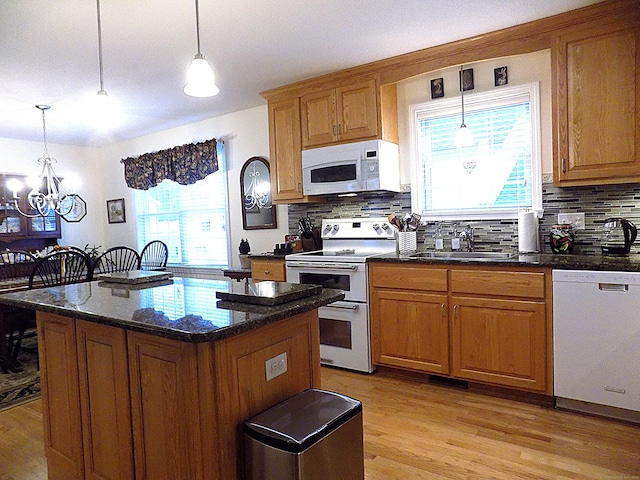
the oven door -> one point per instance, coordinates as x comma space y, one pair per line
350, 278
344, 336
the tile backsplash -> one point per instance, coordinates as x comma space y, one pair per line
597, 203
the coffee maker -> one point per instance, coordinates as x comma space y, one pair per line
619, 235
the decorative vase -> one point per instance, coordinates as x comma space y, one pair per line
245, 261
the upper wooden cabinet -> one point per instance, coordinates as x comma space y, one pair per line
597, 104
14, 226
340, 114
285, 150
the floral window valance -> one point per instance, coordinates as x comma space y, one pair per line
185, 164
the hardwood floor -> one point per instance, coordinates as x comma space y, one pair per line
417, 430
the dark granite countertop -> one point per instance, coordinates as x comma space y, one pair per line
630, 263
184, 309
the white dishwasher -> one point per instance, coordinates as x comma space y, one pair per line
596, 337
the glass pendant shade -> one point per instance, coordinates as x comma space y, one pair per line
200, 78
464, 137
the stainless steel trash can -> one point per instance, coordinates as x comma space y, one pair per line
314, 435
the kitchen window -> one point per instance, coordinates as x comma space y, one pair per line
190, 219
494, 177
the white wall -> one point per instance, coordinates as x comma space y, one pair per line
522, 69
21, 157
245, 133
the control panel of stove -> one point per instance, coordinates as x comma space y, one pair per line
366, 228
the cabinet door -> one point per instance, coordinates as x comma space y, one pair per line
104, 393
164, 407
44, 226
598, 106
410, 330
60, 397
286, 150
357, 113
499, 341
319, 125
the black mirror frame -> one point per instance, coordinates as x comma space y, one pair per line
273, 223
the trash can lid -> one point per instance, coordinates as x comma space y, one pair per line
302, 420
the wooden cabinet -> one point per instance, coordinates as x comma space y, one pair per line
122, 405
268, 269
87, 425
409, 317
341, 114
60, 397
14, 226
164, 407
597, 103
499, 327
286, 150
483, 324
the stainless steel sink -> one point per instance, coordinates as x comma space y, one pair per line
464, 255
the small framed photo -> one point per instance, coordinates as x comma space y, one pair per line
466, 79
437, 88
115, 211
500, 76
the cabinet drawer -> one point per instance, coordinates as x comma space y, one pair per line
273, 270
499, 282
409, 277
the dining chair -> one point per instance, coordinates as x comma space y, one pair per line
154, 256
61, 267
116, 259
16, 323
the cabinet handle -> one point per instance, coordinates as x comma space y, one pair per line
298, 187
339, 129
564, 165
455, 311
335, 130
442, 309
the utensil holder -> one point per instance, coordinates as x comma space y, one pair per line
407, 242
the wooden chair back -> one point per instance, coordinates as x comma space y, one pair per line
61, 267
116, 259
16, 264
154, 256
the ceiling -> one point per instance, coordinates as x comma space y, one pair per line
49, 53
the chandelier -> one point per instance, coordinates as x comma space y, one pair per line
257, 195
48, 193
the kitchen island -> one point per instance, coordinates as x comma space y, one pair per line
153, 381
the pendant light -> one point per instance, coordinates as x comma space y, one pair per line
48, 193
464, 137
200, 78
105, 111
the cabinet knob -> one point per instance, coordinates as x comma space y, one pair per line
266, 272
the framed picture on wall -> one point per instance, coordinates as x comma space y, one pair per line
115, 211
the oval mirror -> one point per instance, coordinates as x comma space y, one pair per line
255, 187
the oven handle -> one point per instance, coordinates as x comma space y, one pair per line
323, 266
343, 307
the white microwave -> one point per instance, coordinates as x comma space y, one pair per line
350, 168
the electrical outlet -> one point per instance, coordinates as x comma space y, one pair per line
276, 366
575, 219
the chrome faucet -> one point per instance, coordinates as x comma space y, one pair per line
466, 235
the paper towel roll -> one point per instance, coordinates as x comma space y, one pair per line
528, 240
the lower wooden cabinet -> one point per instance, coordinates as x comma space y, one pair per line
122, 405
412, 330
483, 324
499, 341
